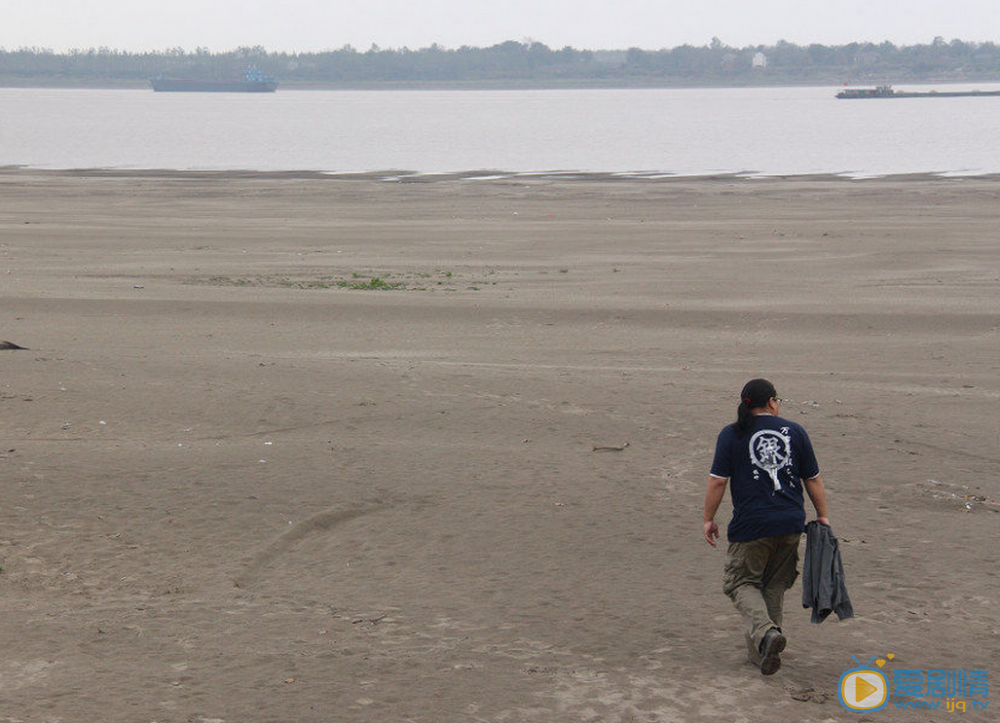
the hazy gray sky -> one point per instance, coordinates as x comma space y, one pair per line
305, 25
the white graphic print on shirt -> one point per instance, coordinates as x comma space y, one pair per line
771, 451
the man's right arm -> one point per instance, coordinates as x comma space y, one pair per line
713, 498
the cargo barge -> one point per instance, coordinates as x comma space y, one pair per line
253, 81
886, 91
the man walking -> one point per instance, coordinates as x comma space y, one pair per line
768, 461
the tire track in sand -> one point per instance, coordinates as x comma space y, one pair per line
321, 522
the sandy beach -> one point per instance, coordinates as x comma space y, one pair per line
285, 447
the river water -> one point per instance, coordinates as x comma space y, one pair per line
757, 131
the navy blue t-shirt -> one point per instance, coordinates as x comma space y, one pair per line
765, 470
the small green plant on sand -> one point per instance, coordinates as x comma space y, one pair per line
374, 284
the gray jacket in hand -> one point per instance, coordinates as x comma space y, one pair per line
823, 587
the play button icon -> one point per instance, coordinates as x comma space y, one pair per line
863, 689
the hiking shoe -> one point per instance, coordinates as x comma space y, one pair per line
770, 649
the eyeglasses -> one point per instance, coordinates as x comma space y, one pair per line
779, 400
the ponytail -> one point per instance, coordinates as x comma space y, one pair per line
744, 419
756, 393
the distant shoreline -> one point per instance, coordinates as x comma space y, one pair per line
576, 84
485, 175
37, 83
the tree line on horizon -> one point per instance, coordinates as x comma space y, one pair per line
520, 63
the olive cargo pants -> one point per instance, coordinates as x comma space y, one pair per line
757, 575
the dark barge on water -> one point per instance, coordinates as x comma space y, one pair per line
886, 91
253, 81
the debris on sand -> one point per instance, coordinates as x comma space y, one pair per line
610, 448
967, 500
